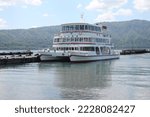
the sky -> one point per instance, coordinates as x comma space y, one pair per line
23, 14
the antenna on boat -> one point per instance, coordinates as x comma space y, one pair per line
82, 17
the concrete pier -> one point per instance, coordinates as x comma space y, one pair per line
14, 58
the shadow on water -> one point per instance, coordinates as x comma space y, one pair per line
13, 65
79, 81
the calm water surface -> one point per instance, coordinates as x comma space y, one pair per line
125, 78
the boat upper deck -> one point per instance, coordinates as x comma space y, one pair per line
82, 33
73, 27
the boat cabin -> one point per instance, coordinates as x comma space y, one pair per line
80, 27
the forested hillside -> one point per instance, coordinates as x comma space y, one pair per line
126, 34
34, 38
130, 34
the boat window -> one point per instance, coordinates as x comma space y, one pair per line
76, 39
72, 39
66, 48
77, 27
93, 40
97, 40
92, 28
69, 48
56, 40
81, 27
86, 39
72, 48
87, 48
104, 27
107, 40
95, 28
64, 39
67, 28
104, 40
99, 29
60, 40
76, 48
71, 27
63, 28
81, 39
90, 48
68, 39
97, 50
86, 27
90, 40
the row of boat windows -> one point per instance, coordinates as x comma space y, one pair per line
100, 40
80, 27
76, 48
102, 49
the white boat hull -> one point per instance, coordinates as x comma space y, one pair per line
80, 58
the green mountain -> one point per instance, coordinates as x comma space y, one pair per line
125, 34
34, 38
130, 34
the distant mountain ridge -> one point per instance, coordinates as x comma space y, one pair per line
125, 34
130, 34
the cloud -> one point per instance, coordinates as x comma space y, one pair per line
95, 4
4, 3
142, 5
110, 16
105, 4
24, 3
45, 14
79, 6
123, 12
3, 23
33, 2
108, 10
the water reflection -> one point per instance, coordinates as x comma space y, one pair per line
80, 81
126, 78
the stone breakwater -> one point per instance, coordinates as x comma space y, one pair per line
134, 51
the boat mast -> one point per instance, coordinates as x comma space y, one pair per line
82, 18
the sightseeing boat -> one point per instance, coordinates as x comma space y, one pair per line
80, 42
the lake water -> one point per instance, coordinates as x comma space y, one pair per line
124, 78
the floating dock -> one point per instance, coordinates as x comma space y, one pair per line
18, 57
